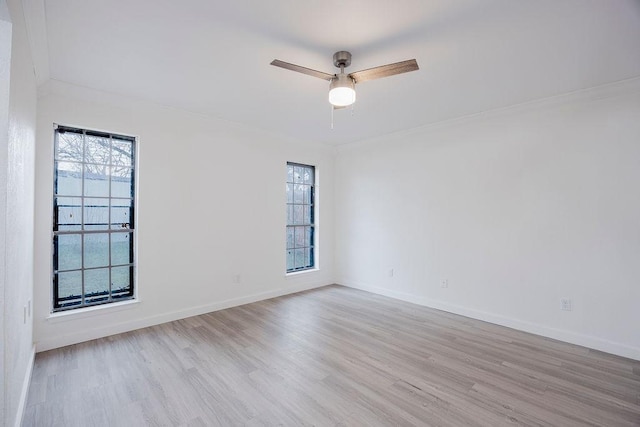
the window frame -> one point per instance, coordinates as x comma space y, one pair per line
128, 204
310, 240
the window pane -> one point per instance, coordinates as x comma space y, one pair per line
289, 193
297, 174
96, 250
121, 249
121, 214
69, 146
68, 180
96, 180
298, 194
308, 236
96, 149
308, 212
96, 284
290, 260
121, 281
298, 214
289, 214
68, 249
308, 176
69, 287
68, 211
308, 257
96, 214
289, 173
299, 237
121, 182
306, 194
299, 258
290, 235
122, 152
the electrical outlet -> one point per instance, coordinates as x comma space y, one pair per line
444, 283
565, 304
24, 314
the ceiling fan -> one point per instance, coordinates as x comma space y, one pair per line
342, 91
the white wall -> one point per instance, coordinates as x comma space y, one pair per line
516, 208
5, 64
17, 141
211, 205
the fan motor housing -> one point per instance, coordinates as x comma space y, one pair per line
342, 59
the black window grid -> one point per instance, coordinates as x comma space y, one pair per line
83, 228
300, 248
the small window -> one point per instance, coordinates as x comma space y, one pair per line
93, 218
300, 217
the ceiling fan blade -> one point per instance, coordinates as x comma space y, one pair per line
384, 71
303, 70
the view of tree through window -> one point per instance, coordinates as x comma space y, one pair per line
300, 217
93, 218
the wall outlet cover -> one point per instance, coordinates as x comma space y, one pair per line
565, 304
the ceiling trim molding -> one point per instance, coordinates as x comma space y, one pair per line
35, 18
605, 91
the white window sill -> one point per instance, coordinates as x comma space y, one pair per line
81, 313
297, 273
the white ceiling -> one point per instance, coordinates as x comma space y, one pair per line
213, 56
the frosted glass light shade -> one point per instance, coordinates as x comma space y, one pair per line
342, 91
342, 96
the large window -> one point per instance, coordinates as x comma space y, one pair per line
300, 217
93, 218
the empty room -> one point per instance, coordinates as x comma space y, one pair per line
337, 213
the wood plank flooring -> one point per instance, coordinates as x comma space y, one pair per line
333, 356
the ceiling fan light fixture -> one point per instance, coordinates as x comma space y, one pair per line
342, 92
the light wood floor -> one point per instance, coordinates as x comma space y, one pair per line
331, 357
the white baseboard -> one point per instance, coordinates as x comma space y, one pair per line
95, 333
24, 394
545, 331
